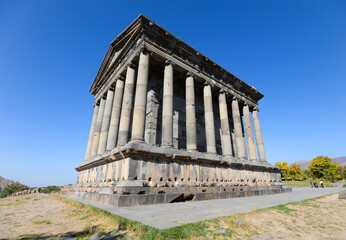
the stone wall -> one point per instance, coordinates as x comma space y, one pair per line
173, 173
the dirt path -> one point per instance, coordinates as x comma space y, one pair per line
37, 214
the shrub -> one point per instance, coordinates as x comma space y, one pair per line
50, 189
12, 188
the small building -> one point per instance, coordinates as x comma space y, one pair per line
170, 125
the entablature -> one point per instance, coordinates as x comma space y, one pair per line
145, 33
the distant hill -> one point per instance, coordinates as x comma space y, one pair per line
5, 182
304, 164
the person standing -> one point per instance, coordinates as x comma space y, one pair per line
321, 183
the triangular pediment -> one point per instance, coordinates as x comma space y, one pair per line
143, 27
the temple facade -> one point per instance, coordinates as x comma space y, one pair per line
169, 125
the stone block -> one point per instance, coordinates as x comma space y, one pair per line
106, 190
264, 236
130, 183
221, 231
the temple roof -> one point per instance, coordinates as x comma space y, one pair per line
161, 37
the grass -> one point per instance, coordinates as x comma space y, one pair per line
27, 237
43, 222
102, 221
107, 222
8, 203
283, 208
304, 183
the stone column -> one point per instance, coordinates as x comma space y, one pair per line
115, 118
209, 119
191, 125
92, 131
126, 109
167, 106
238, 128
138, 123
225, 133
243, 136
258, 134
106, 121
98, 127
249, 133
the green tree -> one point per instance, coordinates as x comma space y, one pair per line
306, 173
295, 172
12, 188
50, 189
284, 168
323, 168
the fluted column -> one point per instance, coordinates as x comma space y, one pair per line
126, 109
138, 123
191, 125
92, 131
238, 128
209, 119
106, 121
167, 106
225, 133
98, 126
115, 118
258, 134
249, 133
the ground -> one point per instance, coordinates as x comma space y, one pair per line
52, 216
306, 183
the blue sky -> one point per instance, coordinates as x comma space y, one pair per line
294, 52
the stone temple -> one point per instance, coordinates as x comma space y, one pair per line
171, 125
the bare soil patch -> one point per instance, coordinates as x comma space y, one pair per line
36, 214
322, 218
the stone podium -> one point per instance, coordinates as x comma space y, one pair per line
171, 125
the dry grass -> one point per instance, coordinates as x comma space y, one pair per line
319, 218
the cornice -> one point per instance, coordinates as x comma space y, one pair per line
156, 36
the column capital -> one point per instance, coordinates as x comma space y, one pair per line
256, 109
169, 62
104, 97
234, 98
96, 104
131, 65
111, 88
121, 78
221, 91
206, 83
190, 74
144, 50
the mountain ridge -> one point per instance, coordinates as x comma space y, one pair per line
4, 182
304, 164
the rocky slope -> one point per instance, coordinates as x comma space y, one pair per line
5, 182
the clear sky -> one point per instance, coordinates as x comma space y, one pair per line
294, 52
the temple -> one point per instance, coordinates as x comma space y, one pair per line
171, 125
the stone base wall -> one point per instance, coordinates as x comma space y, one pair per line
172, 173
138, 173
134, 196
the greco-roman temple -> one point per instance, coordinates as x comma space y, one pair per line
171, 125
